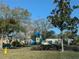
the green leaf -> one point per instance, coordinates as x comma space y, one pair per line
75, 7
55, 1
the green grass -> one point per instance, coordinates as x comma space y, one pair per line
25, 53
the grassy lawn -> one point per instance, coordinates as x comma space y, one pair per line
25, 53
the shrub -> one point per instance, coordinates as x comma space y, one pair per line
76, 48
16, 44
46, 47
6, 45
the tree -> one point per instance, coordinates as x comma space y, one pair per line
29, 27
42, 25
11, 19
50, 34
60, 17
16, 13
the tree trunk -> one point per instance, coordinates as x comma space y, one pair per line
1, 44
68, 42
62, 44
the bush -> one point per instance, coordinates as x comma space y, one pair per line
6, 45
75, 42
37, 47
16, 44
46, 47
72, 48
69, 48
76, 48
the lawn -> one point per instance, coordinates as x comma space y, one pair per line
25, 53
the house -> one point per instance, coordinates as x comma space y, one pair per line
53, 41
58, 41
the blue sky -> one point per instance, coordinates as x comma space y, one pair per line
38, 8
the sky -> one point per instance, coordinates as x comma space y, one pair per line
38, 8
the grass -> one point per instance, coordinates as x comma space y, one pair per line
25, 53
